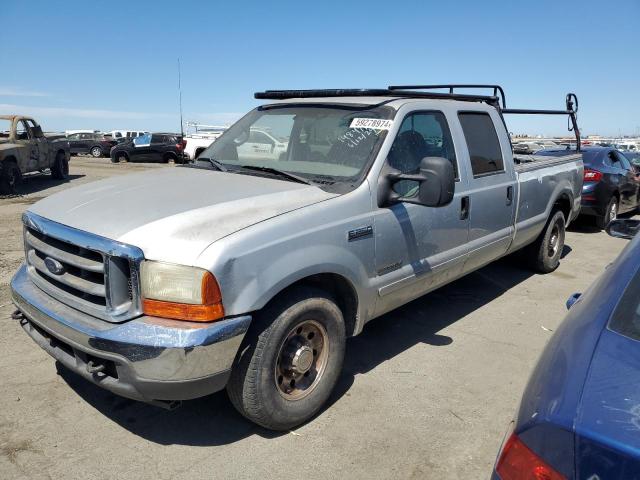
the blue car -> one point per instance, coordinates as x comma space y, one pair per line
579, 417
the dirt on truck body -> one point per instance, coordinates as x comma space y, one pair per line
24, 148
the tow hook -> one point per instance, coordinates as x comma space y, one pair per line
18, 315
94, 368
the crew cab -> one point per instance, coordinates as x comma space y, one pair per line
250, 271
24, 148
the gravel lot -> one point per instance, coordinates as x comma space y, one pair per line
427, 392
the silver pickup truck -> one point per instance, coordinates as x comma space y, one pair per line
249, 271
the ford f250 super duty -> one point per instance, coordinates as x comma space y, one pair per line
248, 271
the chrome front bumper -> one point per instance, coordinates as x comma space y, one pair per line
147, 358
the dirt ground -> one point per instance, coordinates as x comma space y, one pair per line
427, 391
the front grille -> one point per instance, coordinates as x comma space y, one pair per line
91, 273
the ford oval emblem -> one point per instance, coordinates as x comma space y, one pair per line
54, 266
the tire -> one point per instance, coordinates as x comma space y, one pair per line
168, 157
10, 177
60, 168
119, 157
299, 338
96, 152
611, 213
544, 254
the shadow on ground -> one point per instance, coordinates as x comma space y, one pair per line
212, 420
37, 182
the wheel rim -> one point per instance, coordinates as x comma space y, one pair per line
613, 211
554, 242
96, 152
302, 360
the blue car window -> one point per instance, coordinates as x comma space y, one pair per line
626, 317
142, 141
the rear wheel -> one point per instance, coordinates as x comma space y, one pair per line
96, 152
544, 254
10, 177
167, 157
610, 214
290, 360
60, 168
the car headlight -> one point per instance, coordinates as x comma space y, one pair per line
180, 292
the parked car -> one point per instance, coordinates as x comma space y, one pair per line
580, 412
611, 184
25, 148
199, 141
97, 145
116, 134
248, 270
156, 147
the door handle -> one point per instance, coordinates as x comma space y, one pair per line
465, 204
509, 195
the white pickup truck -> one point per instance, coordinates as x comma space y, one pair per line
249, 268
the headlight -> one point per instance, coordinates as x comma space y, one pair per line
180, 292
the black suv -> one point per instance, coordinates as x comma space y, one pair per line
94, 143
151, 147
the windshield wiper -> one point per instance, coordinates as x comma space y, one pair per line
280, 173
214, 163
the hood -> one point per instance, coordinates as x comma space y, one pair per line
173, 214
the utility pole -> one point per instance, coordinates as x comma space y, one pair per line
180, 98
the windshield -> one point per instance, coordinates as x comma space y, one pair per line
5, 127
318, 143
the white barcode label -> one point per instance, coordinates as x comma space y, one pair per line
375, 123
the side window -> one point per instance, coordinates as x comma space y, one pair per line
482, 142
615, 160
158, 138
85, 136
75, 136
623, 160
21, 131
421, 134
259, 137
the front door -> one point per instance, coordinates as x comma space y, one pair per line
30, 146
44, 153
141, 148
492, 189
419, 248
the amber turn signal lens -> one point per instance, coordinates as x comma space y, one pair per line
209, 310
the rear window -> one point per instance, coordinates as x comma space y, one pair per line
482, 141
626, 317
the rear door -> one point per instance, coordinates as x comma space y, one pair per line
158, 147
141, 149
628, 183
492, 186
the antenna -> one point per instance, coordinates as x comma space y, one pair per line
180, 98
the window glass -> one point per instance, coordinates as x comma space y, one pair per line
257, 136
21, 131
315, 142
482, 142
142, 141
158, 138
623, 160
75, 136
423, 134
626, 317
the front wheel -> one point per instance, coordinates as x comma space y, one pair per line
96, 152
544, 254
290, 360
60, 168
10, 177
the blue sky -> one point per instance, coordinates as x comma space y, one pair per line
108, 65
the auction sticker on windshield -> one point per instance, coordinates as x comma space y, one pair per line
375, 123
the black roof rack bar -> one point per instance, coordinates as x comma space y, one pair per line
369, 92
451, 86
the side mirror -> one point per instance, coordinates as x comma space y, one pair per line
436, 181
623, 228
573, 299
